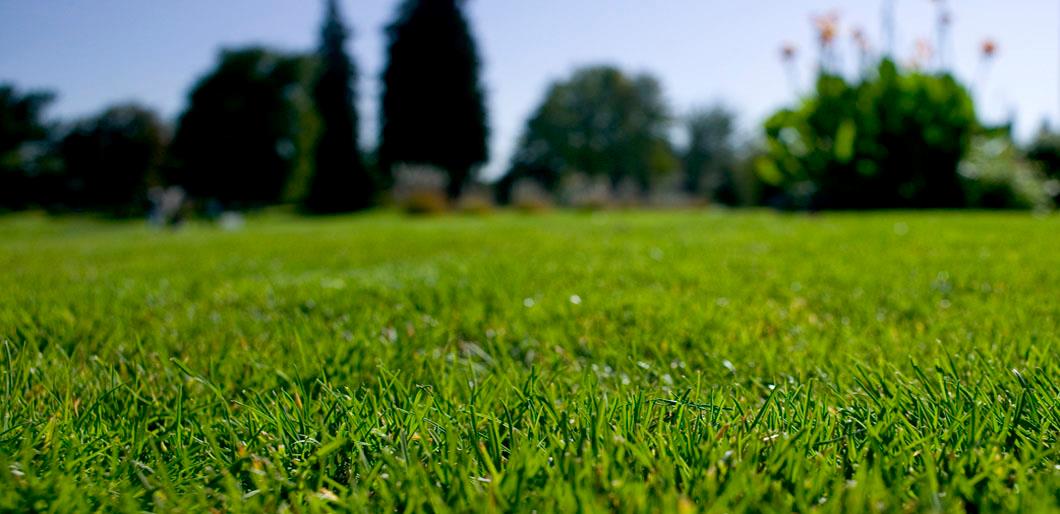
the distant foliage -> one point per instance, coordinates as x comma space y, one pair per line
527, 195
26, 173
476, 200
1045, 152
433, 107
584, 192
420, 189
997, 176
709, 159
111, 159
340, 180
892, 138
239, 141
601, 123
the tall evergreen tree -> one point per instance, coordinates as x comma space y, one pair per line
432, 109
341, 181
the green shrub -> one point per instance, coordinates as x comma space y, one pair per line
892, 138
996, 176
1045, 150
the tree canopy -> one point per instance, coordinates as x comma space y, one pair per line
111, 158
340, 180
599, 122
709, 156
238, 141
24, 141
433, 109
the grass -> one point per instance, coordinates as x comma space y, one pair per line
640, 362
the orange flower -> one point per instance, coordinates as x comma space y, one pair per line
860, 39
989, 48
924, 50
827, 26
788, 51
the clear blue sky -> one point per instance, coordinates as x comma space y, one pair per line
94, 52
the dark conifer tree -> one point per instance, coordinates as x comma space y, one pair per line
341, 182
432, 108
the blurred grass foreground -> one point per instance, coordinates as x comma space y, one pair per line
616, 361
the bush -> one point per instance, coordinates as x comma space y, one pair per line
585, 192
893, 138
476, 199
528, 196
475, 205
996, 176
420, 189
1045, 150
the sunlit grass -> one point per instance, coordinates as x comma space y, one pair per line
684, 362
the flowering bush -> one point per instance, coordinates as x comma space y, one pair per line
892, 138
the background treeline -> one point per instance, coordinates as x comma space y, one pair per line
265, 127
262, 128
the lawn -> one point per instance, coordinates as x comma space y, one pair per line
630, 361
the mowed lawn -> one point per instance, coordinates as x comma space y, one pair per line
563, 362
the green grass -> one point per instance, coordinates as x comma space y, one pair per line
642, 362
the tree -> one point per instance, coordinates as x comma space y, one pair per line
238, 142
24, 149
340, 181
997, 175
433, 110
890, 139
111, 158
709, 158
599, 122
1045, 150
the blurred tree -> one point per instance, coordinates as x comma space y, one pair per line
340, 181
890, 139
24, 149
238, 141
112, 158
1045, 150
599, 122
710, 157
433, 110
748, 189
996, 175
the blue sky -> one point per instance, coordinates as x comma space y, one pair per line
95, 52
